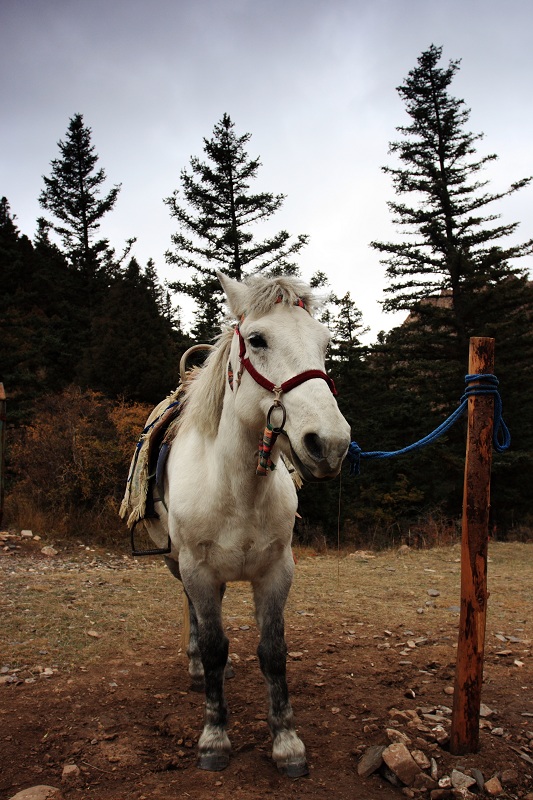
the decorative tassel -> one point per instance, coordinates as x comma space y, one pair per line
267, 442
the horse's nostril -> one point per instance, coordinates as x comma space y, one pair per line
313, 446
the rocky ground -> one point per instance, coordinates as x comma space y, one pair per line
95, 699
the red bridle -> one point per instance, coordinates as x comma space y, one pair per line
287, 385
271, 432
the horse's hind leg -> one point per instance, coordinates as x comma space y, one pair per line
214, 745
288, 751
196, 669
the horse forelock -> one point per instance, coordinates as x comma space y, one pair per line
265, 293
205, 392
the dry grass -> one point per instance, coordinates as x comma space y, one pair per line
70, 612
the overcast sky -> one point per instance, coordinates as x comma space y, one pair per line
313, 81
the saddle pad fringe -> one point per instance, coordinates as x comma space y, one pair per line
161, 426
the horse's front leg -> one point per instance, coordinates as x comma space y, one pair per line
214, 745
288, 751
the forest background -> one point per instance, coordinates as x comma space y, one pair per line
90, 339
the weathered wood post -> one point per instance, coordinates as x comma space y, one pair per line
475, 526
3, 422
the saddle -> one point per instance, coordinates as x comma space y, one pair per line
147, 467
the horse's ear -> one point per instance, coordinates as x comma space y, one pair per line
235, 293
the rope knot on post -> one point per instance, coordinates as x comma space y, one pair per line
476, 384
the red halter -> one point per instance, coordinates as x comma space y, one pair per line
271, 433
286, 386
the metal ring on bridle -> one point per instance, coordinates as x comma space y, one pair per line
280, 405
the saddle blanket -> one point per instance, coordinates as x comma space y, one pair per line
147, 464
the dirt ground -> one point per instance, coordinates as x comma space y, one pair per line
93, 673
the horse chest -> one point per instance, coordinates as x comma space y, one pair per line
239, 553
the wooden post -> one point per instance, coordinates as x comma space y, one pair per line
3, 423
475, 527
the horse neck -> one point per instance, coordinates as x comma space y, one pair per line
236, 448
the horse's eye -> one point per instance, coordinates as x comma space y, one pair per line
256, 340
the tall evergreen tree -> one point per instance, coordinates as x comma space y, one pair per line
72, 194
135, 348
456, 279
35, 304
215, 224
453, 246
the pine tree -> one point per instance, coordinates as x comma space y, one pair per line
72, 196
135, 349
455, 278
34, 316
454, 249
215, 224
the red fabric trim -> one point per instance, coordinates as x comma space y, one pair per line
287, 385
306, 376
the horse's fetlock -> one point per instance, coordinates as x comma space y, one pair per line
214, 739
288, 747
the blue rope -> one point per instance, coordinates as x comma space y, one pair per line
501, 438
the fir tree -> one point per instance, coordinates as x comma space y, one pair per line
72, 196
135, 349
33, 316
453, 249
455, 278
215, 224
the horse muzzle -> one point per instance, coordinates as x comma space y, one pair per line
320, 458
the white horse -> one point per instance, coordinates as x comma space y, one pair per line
225, 521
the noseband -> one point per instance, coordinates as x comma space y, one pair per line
271, 432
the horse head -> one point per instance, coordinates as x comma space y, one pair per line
277, 360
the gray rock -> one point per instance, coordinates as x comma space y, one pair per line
478, 776
460, 780
371, 760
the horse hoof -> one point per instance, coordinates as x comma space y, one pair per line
213, 762
294, 769
197, 683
